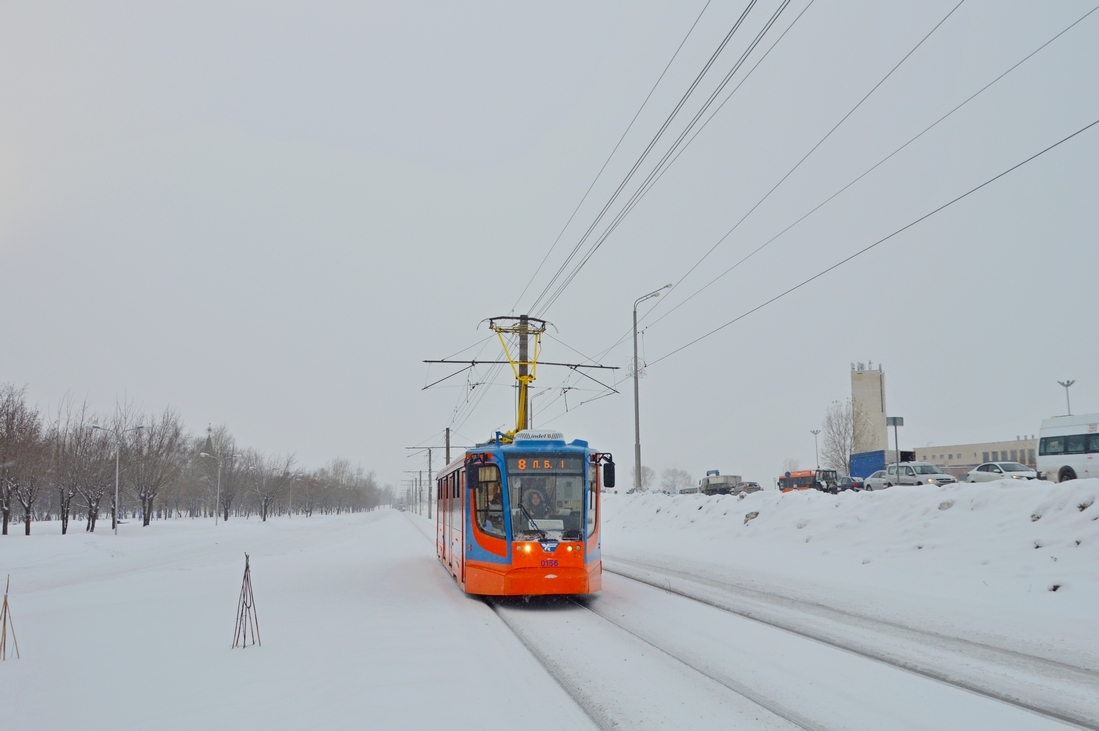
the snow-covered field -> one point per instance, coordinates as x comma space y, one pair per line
362, 629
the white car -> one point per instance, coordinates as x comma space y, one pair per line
916, 473
1001, 471
875, 481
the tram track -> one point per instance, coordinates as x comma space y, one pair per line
572, 661
605, 716
1023, 681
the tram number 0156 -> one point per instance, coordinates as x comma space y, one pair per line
547, 562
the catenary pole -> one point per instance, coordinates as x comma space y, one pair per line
636, 396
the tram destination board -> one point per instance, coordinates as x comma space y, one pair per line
545, 464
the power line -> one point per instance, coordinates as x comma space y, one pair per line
852, 182
862, 251
822, 140
655, 171
651, 181
652, 143
607, 161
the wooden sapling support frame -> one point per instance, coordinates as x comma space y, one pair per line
5, 623
247, 631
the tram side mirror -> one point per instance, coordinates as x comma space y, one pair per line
608, 474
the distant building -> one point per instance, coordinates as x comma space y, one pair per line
868, 408
958, 459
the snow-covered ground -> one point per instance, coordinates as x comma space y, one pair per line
976, 561
362, 628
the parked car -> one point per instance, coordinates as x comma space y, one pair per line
848, 483
916, 473
746, 487
1001, 471
876, 481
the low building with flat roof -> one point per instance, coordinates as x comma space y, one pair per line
957, 459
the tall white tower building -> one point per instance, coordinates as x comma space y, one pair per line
868, 407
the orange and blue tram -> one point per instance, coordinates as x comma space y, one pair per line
522, 518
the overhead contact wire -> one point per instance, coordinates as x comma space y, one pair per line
880, 241
607, 161
645, 153
635, 197
865, 173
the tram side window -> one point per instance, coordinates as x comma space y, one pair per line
488, 498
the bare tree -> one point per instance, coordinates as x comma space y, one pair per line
673, 480
72, 444
22, 463
156, 456
840, 432
791, 464
221, 447
98, 479
648, 477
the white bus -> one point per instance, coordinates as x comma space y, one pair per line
1068, 447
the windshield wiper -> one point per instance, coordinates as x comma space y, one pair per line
522, 507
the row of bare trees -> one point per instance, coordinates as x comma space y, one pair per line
63, 465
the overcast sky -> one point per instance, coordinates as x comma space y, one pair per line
267, 215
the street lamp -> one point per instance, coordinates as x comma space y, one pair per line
816, 455
217, 500
1066, 384
117, 449
636, 398
290, 506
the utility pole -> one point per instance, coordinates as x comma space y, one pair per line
524, 408
430, 482
636, 397
448, 445
524, 365
816, 454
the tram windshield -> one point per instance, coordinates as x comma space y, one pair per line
546, 496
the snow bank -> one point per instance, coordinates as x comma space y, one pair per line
1016, 563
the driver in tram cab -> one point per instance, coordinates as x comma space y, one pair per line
537, 504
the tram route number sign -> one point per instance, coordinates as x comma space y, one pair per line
546, 463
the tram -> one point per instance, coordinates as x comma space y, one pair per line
521, 518
519, 515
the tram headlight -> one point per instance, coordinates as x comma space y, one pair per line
526, 547
568, 548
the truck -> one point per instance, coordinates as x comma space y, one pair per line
715, 483
864, 464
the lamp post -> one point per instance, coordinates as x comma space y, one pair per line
816, 454
290, 507
1068, 405
636, 398
117, 449
217, 500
